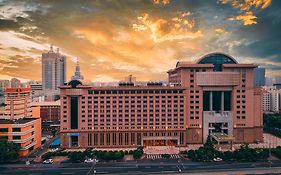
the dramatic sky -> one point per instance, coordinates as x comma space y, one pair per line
112, 39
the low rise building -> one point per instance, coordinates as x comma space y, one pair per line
19, 124
271, 99
48, 110
25, 132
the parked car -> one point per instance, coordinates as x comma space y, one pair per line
56, 149
48, 161
91, 161
217, 159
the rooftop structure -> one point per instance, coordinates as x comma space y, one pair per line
77, 74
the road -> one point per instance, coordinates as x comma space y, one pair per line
143, 167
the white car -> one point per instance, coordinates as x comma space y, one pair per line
55, 149
217, 159
91, 161
48, 161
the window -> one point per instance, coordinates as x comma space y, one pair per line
3, 129
89, 139
101, 139
120, 139
16, 137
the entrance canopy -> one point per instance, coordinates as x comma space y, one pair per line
222, 137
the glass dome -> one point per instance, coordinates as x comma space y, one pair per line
217, 59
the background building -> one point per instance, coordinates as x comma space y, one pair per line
277, 80
17, 101
48, 110
77, 75
15, 83
213, 96
271, 99
37, 92
18, 124
278, 86
4, 84
259, 76
53, 71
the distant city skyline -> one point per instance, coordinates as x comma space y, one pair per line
113, 39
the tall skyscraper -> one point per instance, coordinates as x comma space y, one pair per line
259, 76
53, 70
77, 74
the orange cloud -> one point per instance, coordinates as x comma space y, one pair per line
164, 2
248, 18
246, 8
220, 30
176, 28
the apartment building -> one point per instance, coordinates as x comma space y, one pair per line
19, 123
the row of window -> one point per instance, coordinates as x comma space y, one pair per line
13, 130
135, 91
132, 97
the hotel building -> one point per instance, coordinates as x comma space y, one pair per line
213, 96
19, 125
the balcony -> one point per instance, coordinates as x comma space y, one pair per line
23, 140
29, 146
21, 133
23, 125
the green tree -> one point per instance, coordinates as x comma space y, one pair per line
137, 154
9, 151
209, 144
77, 156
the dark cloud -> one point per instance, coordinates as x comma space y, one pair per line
101, 35
263, 40
6, 24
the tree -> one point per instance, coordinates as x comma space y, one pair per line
77, 156
209, 144
137, 153
9, 151
166, 156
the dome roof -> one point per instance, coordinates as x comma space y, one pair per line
74, 83
217, 59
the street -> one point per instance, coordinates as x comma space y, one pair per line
143, 167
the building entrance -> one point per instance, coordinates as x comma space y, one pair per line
160, 142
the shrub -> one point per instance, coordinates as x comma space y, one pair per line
166, 156
77, 156
8, 151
